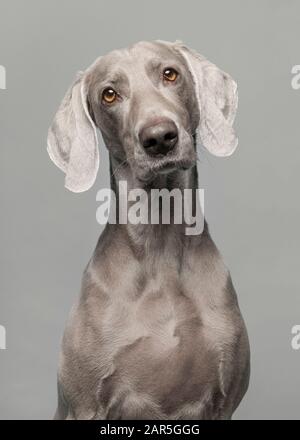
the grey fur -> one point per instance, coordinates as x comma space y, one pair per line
157, 332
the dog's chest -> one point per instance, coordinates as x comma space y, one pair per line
163, 349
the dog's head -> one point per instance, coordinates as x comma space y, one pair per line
148, 101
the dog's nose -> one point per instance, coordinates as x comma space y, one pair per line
159, 138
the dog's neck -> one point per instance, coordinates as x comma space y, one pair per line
147, 236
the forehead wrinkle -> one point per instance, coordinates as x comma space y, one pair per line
103, 77
134, 69
116, 77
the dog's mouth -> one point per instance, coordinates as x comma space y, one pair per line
164, 166
172, 165
182, 157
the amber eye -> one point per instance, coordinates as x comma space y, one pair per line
170, 74
109, 95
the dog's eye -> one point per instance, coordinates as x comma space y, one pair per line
109, 95
170, 74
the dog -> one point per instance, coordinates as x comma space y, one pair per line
156, 332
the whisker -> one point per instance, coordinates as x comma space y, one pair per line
121, 164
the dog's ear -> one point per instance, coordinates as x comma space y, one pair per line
217, 98
72, 139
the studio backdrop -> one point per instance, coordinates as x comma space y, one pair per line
252, 207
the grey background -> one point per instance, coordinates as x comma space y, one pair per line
252, 199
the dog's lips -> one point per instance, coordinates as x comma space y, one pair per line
181, 160
165, 167
172, 165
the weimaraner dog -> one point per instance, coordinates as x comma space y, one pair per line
157, 332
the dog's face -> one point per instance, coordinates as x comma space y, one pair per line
144, 103
148, 102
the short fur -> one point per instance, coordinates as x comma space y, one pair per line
157, 331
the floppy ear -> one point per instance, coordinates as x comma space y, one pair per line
72, 139
217, 98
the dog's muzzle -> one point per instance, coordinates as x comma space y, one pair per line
159, 139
